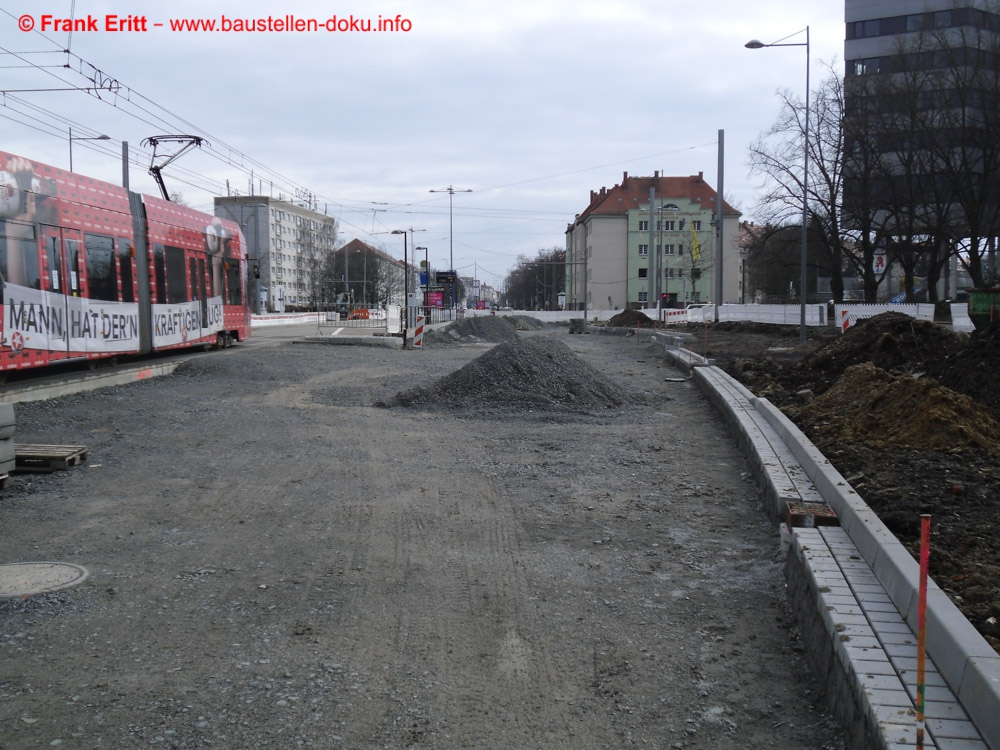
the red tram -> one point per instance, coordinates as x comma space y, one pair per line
90, 270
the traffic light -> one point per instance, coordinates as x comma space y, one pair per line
664, 300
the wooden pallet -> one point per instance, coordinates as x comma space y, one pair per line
45, 458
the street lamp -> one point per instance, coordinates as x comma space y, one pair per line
406, 284
451, 233
756, 44
72, 138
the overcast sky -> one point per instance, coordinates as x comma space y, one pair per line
529, 104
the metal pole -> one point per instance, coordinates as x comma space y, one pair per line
406, 290
719, 200
125, 165
71, 149
805, 207
649, 250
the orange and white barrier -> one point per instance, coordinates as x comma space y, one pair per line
418, 332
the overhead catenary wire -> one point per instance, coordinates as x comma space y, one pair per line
79, 74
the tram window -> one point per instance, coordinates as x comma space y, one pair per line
195, 286
73, 260
125, 263
176, 276
233, 278
102, 276
55, 263
19, 254
160, 271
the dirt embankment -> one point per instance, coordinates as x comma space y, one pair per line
909, 412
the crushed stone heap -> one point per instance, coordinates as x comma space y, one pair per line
480, 329
536, 373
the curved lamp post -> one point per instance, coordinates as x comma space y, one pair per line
757, 44
72, 138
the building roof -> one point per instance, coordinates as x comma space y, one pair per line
634, 192
357, 246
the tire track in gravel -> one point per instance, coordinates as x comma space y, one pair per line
458, 642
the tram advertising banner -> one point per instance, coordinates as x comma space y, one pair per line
50, 321
183, 322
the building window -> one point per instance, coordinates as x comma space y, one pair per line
668, 226
643, 250
869, 66
642, 273
669, 249
643, 226
643, 296
696, 225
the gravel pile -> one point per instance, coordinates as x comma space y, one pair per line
528, 323
476, 330
536, 373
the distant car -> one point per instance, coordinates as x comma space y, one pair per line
694, 305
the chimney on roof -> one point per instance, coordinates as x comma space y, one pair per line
701, 177
656, 174
624, 178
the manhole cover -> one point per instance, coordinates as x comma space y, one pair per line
26, 579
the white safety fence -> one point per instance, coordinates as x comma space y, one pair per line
847, 315
960, 320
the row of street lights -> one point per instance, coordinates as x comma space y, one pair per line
450, 190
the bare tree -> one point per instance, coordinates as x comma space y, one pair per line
924, 146
778, 156
536, 284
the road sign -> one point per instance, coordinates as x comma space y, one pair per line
446, 277
879, 263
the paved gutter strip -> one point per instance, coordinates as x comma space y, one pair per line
55, 387
851, 583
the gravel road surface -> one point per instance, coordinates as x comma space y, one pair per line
276, 562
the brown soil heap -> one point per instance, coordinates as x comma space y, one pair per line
631, 319
880, 409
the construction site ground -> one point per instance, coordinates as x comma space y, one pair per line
529, 541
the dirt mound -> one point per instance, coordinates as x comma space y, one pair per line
974, 369
631, 319
537, 373
891, 341
880, 409
486, 329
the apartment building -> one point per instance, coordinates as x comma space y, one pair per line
624, 251
287, 243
